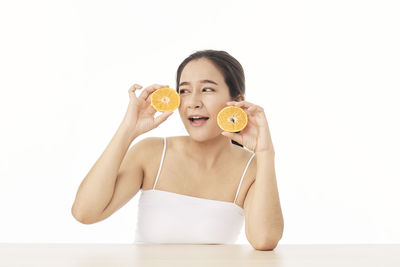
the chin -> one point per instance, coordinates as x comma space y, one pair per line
201, 137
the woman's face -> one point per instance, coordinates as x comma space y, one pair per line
203, 94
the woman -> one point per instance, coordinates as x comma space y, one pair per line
197, 188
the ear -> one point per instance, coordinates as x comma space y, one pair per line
239, 98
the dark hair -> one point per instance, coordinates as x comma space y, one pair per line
231, 69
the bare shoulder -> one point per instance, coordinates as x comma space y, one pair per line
245, 154
147, 143
148, 147
151, 150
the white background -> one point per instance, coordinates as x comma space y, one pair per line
326, 73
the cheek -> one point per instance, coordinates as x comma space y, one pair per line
211, 103
217, 108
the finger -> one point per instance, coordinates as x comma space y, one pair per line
152, 91
161, 118
251, 109
255, 108
234, 136
151, 110
156, 85
242, 104
133, 88
149, 90
248, 107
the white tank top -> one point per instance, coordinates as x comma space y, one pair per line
167, 217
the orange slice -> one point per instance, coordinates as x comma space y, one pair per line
165, 99
232, 119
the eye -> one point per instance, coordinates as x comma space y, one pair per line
182, 91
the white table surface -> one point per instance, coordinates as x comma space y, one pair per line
120, 255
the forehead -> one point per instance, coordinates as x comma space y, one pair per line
201, 69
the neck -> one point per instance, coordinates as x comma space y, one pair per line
208, 153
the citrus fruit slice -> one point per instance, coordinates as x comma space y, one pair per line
165, 99
232, 119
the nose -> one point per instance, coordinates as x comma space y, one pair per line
194, 101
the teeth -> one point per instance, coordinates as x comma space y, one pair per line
195, 118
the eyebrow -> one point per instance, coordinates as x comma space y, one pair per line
202, 81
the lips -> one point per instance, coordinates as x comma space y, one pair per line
198, 122
194, 119
197, 117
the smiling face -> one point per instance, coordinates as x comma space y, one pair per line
204, 93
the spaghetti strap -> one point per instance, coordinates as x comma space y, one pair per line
241, 180
161, 162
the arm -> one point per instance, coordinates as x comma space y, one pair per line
263, 214
117, 175
97, 189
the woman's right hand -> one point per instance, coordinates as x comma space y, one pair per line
139, 117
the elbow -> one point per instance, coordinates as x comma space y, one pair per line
80, 217
269, 240
265, 246
266, 243
77, 216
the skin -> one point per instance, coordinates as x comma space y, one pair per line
205, 99
212, 161
204, 164
263, 215
208, 164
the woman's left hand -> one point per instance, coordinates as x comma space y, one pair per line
256, 135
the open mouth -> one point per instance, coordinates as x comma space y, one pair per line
192, 119
198, 121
